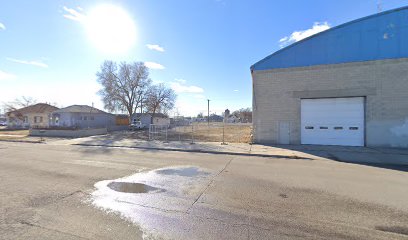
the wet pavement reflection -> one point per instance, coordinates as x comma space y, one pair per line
132, 187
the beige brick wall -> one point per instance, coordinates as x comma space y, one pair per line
277, 94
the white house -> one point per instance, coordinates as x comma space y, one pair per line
82, 116
146, 118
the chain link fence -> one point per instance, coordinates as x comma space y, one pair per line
203, 132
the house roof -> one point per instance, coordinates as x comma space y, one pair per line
376, 37
36, 108
79, 109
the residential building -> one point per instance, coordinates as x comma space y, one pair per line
146, 118
232, 119
34, 116
82, 116
345, 86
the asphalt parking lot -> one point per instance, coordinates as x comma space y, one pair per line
65, 192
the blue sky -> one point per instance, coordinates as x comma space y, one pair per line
202, 49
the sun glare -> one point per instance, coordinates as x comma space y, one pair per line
110, 29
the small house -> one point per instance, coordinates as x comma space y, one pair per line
82, 116
34, 116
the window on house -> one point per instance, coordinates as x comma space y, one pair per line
85, 118
309, 127
41, 119
25, 119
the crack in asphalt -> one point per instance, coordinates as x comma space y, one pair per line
50, 229
209, 184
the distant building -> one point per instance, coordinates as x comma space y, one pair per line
216, 118
232, 119
82, 116
37, 115
3, 118
180, 121
227, 113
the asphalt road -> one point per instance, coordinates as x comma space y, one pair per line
49, 192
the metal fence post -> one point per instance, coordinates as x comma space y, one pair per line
167, 128
223, 134
192, 133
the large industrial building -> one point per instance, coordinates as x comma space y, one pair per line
345, 86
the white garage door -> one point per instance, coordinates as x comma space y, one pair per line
333, 121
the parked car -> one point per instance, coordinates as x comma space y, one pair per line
2, 124
136, 125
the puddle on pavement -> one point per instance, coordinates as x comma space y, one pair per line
146, 198
127, 187
393, 229
184, 172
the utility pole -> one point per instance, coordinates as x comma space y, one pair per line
208, 113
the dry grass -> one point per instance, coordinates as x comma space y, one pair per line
13, 134
236, 133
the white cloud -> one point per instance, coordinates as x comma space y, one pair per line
73, 14
199, 96
153, 65
181, 87
236, 90
155, 47
33, 63
2, 27
6, 76
180, 80
299, 35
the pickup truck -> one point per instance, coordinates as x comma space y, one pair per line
136, 125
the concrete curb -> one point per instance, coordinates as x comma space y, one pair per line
196, 151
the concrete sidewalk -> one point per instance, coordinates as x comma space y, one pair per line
360, 155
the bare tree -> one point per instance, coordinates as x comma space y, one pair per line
123, 86
19, 103
160, 99
244, 114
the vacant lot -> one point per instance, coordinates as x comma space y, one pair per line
198, 132
215, 132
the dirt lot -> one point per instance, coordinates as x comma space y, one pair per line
215, 132
200, 132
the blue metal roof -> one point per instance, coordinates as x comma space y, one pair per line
379, 36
